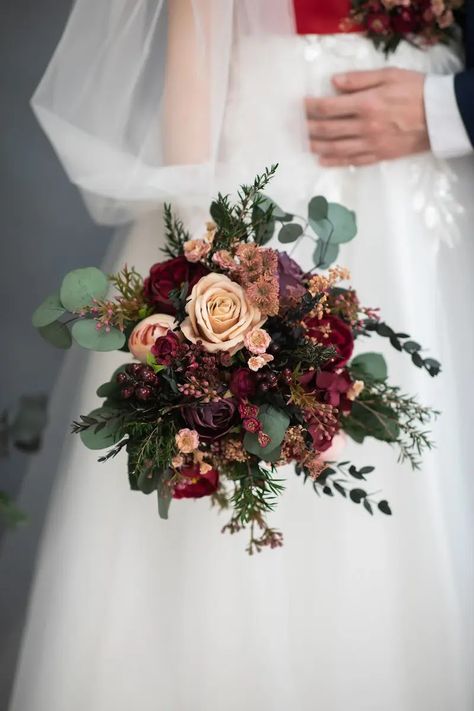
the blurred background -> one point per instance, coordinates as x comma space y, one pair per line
46, 231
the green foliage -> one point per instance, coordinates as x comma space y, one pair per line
336, 479
81, 286
49, 311
87, 335
10, 515
175, 233
290, 233
372, 365
325, 254
101, 428
56, 334
402, 342
275, 422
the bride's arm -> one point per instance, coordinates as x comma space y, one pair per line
187, 94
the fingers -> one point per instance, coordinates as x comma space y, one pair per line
358, 81
356, 161
332, 106
332, 129
345, 148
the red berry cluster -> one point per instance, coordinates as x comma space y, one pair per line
138, 381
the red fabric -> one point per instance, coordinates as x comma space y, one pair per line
321, 17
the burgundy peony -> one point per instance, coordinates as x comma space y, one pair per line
165, 348
332, 331
167, 276
243, 383
195, 484
211, 420
290, 275
335, 387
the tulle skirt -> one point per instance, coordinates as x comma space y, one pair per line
360, 612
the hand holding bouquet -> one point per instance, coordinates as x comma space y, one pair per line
242, 363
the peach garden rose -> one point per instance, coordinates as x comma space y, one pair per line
146, 332
219, 314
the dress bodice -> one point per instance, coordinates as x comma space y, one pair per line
321, 17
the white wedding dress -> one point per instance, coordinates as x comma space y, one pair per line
369, 614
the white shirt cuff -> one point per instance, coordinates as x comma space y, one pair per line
448, 136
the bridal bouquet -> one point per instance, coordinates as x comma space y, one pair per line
388, 22
242, 362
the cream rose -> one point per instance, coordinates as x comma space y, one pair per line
146, 332
219, 314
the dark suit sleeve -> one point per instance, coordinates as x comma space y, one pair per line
464, 90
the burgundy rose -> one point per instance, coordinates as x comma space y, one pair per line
243, 383
290, 275
211, 420
378, 22
332, 331
165, 348
195, 484
167, 276
404, 21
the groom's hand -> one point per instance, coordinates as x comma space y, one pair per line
378, 115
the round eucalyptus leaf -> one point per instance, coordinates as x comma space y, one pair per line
87, 335
112, 388
325, 254
322, 228
371, 363
49, 311
105, 433
277, 212
343, 221
81, 286
318, 208
290, 233
57, 334
274, 423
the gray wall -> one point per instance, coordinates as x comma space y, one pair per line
45, 231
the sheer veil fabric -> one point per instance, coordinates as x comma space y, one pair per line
145, 102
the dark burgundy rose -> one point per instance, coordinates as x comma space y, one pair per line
290, 274
378, 22
167, 276
243, 383
332, 331
165, 348
211, 420
195, 484
404, 21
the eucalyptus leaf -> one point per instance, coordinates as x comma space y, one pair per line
49, 311
87, 335
343, 221
274, 423
57, 334
164, 498
372, 364
290, 233
325, 254
277, 212
106, 433
81, 286
322, 228
111, 389
318, 208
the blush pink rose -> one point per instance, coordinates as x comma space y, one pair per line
146, 332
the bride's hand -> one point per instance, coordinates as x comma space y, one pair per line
378, 115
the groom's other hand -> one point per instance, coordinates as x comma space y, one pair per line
378, 115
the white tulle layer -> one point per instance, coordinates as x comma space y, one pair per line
360, 613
